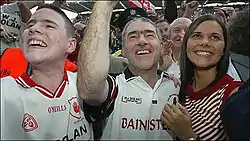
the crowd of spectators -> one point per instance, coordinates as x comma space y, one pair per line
200, 56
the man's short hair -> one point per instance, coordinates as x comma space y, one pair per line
173, 23
69, 26
139, 19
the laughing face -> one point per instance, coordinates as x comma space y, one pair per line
177, 32
46, 38
142, 45
205, 45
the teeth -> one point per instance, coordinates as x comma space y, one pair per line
36, 42
203, 53
143, 52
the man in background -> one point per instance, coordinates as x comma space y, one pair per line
236, 111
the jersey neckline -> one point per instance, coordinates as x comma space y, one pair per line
26, 82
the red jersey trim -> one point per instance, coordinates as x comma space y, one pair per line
112, 92
26, 82
226, 79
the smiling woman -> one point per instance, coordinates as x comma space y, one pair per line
205, 84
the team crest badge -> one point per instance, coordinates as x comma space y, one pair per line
29, 123
173, 98
132, 12
75, 109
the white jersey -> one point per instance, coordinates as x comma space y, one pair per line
30, 111
138, 107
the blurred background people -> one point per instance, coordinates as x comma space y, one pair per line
236, 111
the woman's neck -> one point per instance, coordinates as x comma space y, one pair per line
202, 78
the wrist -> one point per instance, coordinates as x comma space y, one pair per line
1, 32
196, 138
190, 135
187, 14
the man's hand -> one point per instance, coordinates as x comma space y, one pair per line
166, 52
177, 119
220, 14
197, 13
60, 3
8, 37
191, 7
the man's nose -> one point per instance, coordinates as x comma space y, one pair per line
35, 29
142, 40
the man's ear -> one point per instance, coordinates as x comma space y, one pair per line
72, 45
123, 53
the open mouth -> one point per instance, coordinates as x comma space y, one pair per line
142, 52
37, 43
204, 53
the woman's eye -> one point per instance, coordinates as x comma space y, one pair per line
196, 36
215, 38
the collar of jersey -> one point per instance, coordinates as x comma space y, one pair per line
226, 79
27, 82
128, 74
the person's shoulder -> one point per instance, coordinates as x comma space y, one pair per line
7, 79
8, 82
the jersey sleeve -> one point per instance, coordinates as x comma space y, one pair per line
93, 113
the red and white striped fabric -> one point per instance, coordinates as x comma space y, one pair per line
204, 108
142, 4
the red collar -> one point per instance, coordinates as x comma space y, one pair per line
26, 82
226, 79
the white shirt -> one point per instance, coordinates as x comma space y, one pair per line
30, 111
174, 69
137, 108
232, 71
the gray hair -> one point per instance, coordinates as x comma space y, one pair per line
139, 19
173, 23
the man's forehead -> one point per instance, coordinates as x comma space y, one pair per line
140, 26
181, 23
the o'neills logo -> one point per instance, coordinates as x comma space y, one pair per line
141, 124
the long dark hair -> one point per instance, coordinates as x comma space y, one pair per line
186, 66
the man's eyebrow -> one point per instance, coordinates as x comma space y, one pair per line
144, 31
148, 31
133, 32
49, 21
44, 21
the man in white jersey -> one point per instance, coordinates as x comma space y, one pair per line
45, 105
136, 96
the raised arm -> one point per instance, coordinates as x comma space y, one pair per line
93, 56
